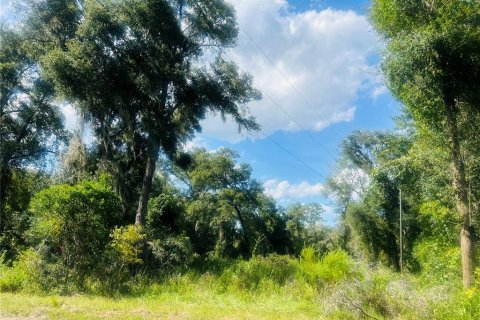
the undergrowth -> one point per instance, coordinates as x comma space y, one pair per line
333, 286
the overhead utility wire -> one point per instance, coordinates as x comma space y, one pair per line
285, 149
289, 116
284, 76
295, 157
299, 125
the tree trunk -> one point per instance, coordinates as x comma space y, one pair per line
244, 228
467, 232
153, 148
147, 183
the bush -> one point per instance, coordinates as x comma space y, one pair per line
71, 225
335, 266
437, 249
121, 258
33, 274
12, 278
251, 274
379, 294
125, 246
171, 251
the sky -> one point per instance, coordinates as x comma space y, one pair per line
316, 63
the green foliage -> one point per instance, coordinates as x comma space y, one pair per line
227, 211
439, 261
22, 186
308, 255
12, 278
303, 223
71, 224
170, 252
31, 273
165, 214
107, 62
431, 64
334, 267
126, 246
252, 274
120, 260
374, 169
30, 124
437, 250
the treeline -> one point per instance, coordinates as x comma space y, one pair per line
143, 74
212, 209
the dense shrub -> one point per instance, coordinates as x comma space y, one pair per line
274, 268
121, 259
71, 225
437, 249
170, 252
125, 245
11, 278
335, 266
22, 185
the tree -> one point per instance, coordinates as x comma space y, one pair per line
378, 165
136, 69
226, 209
303, 225
432, 65
30, 124
224, 200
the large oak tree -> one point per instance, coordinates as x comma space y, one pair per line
145, 73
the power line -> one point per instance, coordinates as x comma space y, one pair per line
289, 116
278, 144
299, 125
307, 102
295, 157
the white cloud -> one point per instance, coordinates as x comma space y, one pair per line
283, 189
330, 215
322, 54
378, 91
195, 143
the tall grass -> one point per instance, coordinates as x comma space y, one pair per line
333, 287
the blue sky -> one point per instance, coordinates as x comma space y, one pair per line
316, 63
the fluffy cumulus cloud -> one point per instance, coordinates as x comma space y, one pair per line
281, 190
312, 64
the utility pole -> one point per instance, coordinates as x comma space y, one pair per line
401, 230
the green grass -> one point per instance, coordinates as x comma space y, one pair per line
163, 306
276, 287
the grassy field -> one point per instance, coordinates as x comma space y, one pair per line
334, 287
23, 306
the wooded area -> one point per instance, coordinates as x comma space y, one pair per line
134, 209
